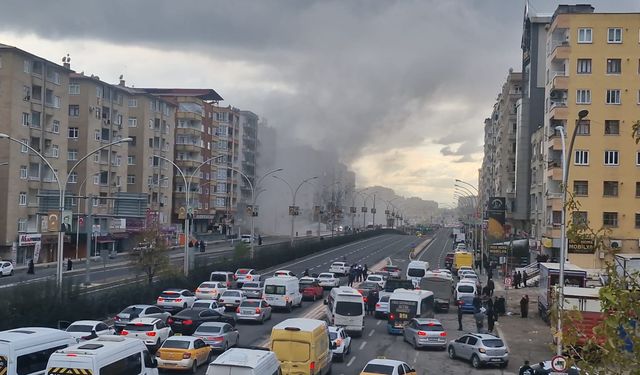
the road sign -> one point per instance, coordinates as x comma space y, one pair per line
81, 221
558, 363
182, 213
507, 281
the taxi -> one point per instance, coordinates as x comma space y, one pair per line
383, 366
183, 353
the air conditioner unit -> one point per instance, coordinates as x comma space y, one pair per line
601, 254
555, 95
615, 244
92, 108
27, 98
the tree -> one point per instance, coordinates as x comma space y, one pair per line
635, 131
152, 255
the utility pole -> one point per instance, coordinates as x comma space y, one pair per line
88, 225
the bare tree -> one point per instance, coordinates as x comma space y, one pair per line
152, 255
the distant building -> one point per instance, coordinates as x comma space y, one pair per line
247, 161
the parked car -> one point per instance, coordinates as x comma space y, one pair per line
89, 329
378, 279
466, 303
152, 331
6, 268
138, 311
245, 274
246, 238
328, 280
423, 332
219, 335
367, 287
382, 307
341, 342
224, 277
394, 271
209, 304
481, 349
340, 268
383, 366
284, 273
210, 290
183, 353
311, 288
188, 320
252, 289
231, 298
174, 300
256, 310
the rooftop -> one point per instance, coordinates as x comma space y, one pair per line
204, 94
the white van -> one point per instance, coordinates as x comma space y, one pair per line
27, 350
345, 308
115, 355
465, 288
282, 292
416, 270
237, 361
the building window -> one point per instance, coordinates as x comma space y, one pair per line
611, 127
73, 178
581, 188
613, 97
22, 198
133, 122
131, 160
133, 103
637, 220
96, 179
638, 158
74, 110
26, 66
55, 151
584, 127
23, 172
614, 35
23, 146
580, 218
611, 157
73, 133
74, 89
584, 66
55, 126
585, 35
582, 157
25, 118
97, 135
614, 66
610, 188
72, 154
610, 219
22, 226
583, 96
131, 179
637, 189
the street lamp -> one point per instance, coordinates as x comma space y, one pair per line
353, 207
61, 192
566, 160
364, 207
293, 212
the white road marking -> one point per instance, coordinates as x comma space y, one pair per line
351, 361
415, 358
362, 345
379, 321
371, 333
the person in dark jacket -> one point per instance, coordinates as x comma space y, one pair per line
203, 246
30, 267
459, 315
490, 315
524, 279
372, 300
491, 286
69, 264
525, 369
352, 277
524, 306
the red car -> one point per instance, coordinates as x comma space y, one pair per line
448, 260
310, 289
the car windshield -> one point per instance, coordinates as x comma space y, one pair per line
275, 289
378, 369
306, 282
250, 304
493, 343
204, 305
176, 344
218, 277
209, 285
170, 295
208, 329
291, 351
375, 278
431, 327
325, 276
79, 328
465, 288
333, 335
139, 327
231, 293
348, 308
132, 310
384, 299
415, 272
242, 271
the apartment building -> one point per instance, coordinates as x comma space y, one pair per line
592, 64
536, 189
248, 144
33, 109
486, 171
225, 198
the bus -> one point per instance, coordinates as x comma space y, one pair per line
405, 305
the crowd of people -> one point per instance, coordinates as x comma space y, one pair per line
357, 273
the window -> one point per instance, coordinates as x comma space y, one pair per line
614, 66
25, 118
133, 122
26, 67
22, 198
637, 220
585, 35
582, 157
74, 89
96, 179
133, 103
73, 133
72, 154
610, 219
131, 160
613, 97
131, 179
584, 127
73, 178
610, 188
611, 158
22, 225
579, 217
74, 110
133, 140
36, 361
611, 127
55, 151
23, 172
584, 66
55, 126
638, 158
614, 35
126, 366
23, 146
581, 188
583, 96
97, 135
637, 189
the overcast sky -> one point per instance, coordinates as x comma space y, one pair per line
398, 89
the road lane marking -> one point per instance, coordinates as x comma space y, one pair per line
351, 361
364, 343
371, 333
379, 321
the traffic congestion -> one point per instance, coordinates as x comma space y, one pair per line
310, 316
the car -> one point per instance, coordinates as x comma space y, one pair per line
224, 277
256, 310
210, 290
470, 276
209, 304
218, 335
376, 279
423, 332
341, 342
481, 349
152, 331
383, 366
466, 304
367, 287
245, 274
284, 273
231, 298
246, 238
328, 280
83, 330
253, 289
311, 288
394, 271
174, 300
463, 269
442, 271
382, 307
188, 320
183, 353
340, 268
138, 311
6, 268
448, 260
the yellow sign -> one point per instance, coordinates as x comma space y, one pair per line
547, 242
182, 213
68, 371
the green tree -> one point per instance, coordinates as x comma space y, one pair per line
152, 254
241, 252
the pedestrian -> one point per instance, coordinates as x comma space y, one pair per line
526, 369
516, 280
372, 301
30, 267
485, 291
69, 264
490, 315
519, 278
352, 275
366, 271
496, 309
490, 273
476, 304
524, 306
479, 316
203, 246
259, 240
524, 279
491, 285
459, 315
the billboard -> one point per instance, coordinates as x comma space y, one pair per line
496, 213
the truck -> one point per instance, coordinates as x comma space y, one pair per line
442, 288
627, 264
587, 302
462, 259
549, 277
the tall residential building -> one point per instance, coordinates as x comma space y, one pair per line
536, 189
592, 64
227, 178
34, 105
486, 171
248, 143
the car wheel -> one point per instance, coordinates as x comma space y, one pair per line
475, 362
452, 353
225, 347
184, 306
194, 367
289, 307
11, 273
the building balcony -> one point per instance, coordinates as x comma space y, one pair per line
560, 50
558, 109
189, 147
555, 142
552, 230
554, 201
197, 131
189, 115
554, 170
189, 163
559, 80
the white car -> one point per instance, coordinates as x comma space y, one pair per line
210, 290
231, 299
378, 279
339, 337
246, 238
175, 299
464, 269
328, 280
387, 366
470, 276
382, 307
340, 268
280, 273
243, 275
152, 331
89, 329
6, 268
209, 304
442, 271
